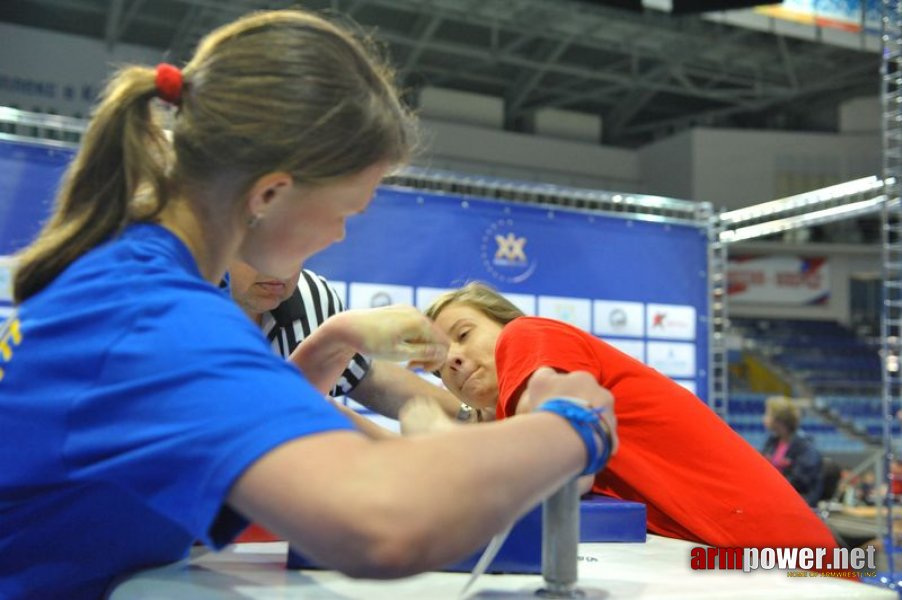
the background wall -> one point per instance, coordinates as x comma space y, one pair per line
499, 153
667, 166
58, 73
733, 168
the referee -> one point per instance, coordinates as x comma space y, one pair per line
288, 310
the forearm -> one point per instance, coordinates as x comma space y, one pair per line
323, 355
488, 468
366, 426
388, 386
383, 509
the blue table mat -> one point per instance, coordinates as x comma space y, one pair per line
601, 519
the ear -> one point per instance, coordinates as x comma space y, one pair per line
265, 190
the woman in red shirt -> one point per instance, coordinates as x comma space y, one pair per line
699, 480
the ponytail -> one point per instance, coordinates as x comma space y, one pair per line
121, 150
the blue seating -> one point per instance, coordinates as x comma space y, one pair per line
843, 370
826, 355
746, 411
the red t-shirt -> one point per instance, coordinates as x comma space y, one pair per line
698, 478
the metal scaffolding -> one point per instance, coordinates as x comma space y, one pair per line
631, 206
891, 318
718, 363
847, 200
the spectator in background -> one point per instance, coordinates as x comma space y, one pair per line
863, 489
790, 450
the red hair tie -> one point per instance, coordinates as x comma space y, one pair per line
169, 83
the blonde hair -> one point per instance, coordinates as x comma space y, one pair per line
783, 410
481, 297
273, 91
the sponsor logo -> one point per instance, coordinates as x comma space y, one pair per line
375, 295
380, 299
663, 320
576, 311
671, 321
504, 253
675, 359
618, 319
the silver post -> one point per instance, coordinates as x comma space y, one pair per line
560, 542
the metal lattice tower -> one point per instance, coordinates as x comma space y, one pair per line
891, 322
717, 327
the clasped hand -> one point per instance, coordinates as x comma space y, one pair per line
546, 384
397, 333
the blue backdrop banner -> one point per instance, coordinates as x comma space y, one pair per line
29, 177
641, 285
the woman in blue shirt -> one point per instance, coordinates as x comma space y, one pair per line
141, 410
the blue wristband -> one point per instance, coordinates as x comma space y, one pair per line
587, 423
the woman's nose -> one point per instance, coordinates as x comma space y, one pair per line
455, 360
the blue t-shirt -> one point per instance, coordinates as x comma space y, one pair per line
132, 396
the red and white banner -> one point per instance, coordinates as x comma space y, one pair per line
791, 280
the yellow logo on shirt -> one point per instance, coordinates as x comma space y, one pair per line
10, 337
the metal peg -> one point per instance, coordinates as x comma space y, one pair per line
560, 543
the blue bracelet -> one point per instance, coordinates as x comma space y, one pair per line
587, 423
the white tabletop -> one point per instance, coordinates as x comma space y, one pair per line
657, 569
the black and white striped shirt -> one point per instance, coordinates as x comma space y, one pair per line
312, 303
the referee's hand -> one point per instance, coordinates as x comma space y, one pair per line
397, 333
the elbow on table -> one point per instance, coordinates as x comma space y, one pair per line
392, 545
387, 559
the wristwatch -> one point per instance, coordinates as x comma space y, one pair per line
464, 413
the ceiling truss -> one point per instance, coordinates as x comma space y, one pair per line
646, 75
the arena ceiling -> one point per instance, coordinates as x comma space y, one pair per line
648, 75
